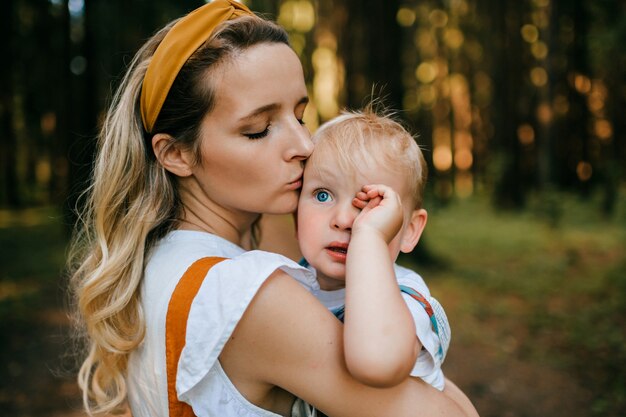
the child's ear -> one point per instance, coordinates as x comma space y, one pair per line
173, 159
413, 230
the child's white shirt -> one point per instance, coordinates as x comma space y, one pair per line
433, 331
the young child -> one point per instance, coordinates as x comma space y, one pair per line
360, 205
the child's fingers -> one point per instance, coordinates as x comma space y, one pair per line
359, 203
374, 190
362, 196
363, 204
360, 200
372, 195
374, 202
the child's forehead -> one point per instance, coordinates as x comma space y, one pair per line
328, 165
331, 160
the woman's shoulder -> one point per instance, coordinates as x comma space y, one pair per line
224, 296
192, 243
262, 264
183, 247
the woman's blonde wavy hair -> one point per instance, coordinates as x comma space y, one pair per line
132, 201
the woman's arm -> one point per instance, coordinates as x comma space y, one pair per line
455, 394
288, 339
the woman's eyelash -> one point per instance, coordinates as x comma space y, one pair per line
258, 135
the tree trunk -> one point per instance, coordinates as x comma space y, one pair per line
372, 52
83, 114
508, 79
59, 152
9, 187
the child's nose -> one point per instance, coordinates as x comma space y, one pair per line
344, 217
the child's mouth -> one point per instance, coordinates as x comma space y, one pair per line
337, 249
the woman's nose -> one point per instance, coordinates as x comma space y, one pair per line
300, 144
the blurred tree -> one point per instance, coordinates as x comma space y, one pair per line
608, 58
513, 105
371, 50
62, 104
574, 140
9, 193
83, 117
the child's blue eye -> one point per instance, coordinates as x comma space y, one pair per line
322, 196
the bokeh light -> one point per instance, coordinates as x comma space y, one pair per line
526, 134
454, 38
438, 18
463, 159
538, 76
427, 96
530, 33
326, 81
426, 72
582, 83
442, 157
544, 113
603, 129
539, 50
405, 17
584, 171
297, 15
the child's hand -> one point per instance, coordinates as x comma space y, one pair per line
381, 211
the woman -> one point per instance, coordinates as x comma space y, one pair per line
204, 135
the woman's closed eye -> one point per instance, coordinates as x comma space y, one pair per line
258, 135
322, 196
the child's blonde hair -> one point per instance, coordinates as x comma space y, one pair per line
358, 136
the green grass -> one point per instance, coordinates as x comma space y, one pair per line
539, 288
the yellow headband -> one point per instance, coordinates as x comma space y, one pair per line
185, 37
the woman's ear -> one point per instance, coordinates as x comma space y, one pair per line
413, 230
173, 159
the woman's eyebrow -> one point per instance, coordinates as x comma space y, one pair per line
269, 107
263, 109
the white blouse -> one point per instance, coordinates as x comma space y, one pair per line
220, 303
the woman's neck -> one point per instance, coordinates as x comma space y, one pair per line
206, 216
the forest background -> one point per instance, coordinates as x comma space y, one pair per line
519, 107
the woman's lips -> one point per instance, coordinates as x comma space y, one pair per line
296, 184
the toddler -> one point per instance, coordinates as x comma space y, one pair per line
360, 205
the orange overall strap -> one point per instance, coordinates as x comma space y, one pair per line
176, 327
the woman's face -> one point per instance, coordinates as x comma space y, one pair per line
254, 142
